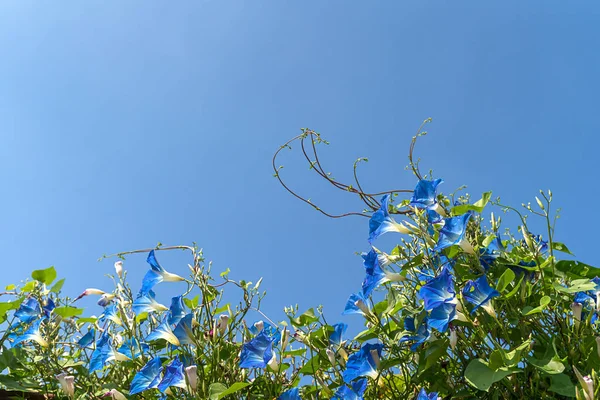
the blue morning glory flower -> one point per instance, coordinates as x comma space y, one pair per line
363, 363
453, 233
433, 217
87, 339
146, 302
174, 376
335, 339
421, 335
539, 244
479, 293
583, 298
48, 307
163, 331
356, 393
270, 330
438, 291
110, 313
381, 222
147, 378
441, 316
257, 352
28, 311
488, 256
32, 333
132, 348
102, 354
156, 274
376, 275
356, 304
292, 394
424, 396
183, 331
424, 195
176, 311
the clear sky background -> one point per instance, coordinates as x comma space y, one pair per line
123, 124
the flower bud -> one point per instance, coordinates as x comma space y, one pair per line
375, 356
273, 364
598, 345
362, 307
192, 376
577, 308
330, 356
285, 338
119, 268
67, 384
115, 395
222, 324
453, 338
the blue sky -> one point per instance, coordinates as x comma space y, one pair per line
128, 123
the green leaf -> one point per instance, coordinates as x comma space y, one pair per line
11, 305
578, 285
577, 268
232, 389
46, 276
68, 311
561, 247
83, 320
550, 366
225, 273
215, 390
478, 206
311, 366
482, 377
307, 318
488, 239
10, 287
58, 286
507, 277
515, 289
192, 303
29, 286
544, 301
562, 385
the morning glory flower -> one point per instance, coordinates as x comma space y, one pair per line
376, 275
479, 293
28, 311
258, 352
110, 313
292, 394
441, 316
163, 331
87, 339
453, 233
105, 299
67, 383
434, 218
424, 196
364, 362
438, 291
270, 330
381, 222
131, 349
147, 378
424, 396
489, 255
356, 304
176, 311
147, 303
32, 333
356, 393
536, 242
173, 376
48, 307
335, 339
102, 354
157, 274
421, 335
183, 331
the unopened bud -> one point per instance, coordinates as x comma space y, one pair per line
375, 356
119, 268
222, 324
577, 308
330, 356
192, 376
453, 338
67, 384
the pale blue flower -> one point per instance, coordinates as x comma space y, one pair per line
355, 393
479, 293
174, 376
163, 331
146, 302
292, 394
381, 222
420, 335
375, 274
32, 333
335, 339
156, 274
453, 233
425, 194
176, 311
102, 354
356, 304
424, 396
147, 378
28, 311
257, 353
363, 363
